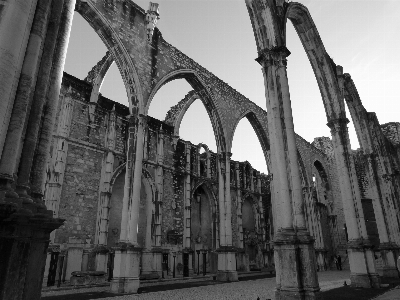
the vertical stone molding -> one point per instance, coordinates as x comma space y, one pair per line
38, 173
226, 252
126, 279
239, 207
15, 24
56, 167
107, 171
39, 98
188, 198
24, 93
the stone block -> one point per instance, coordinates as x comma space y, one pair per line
87, 278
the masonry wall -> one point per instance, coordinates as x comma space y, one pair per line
85, 161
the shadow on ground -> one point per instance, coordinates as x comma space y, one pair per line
350, 293
342, 293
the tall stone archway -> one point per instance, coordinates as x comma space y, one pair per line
269, 25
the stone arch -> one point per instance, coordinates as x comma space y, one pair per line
323, 66
203, 163
149, 188
90, 12
259, 128
358, 114
204, 225
176, 113
200, 92
322, 173
209, 191
97, 74
303, 171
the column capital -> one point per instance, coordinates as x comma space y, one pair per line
339, 121
274, 56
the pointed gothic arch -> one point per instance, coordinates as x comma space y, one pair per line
176, 113
259, 127
101, 25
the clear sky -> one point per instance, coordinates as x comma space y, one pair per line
361, 36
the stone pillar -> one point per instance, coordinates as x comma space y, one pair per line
58, 160
295, 261
24, 237
263, 232
361, 256
24, 93
74, 256
39, 97
239, 207
386, 246
127, 253
38, 173
107, 171
226, 252
15, 26
187, 196
126, 269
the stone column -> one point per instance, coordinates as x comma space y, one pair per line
188, 205
386, 247
58, 162
295, 261
378, 166
53, 49
24, 93
361, 256
152, 254
261, 209
226, 252
127, 253
187, 197
107, 171
15, 26
74, 257
52, 99
239, 207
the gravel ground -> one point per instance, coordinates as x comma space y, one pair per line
251, 289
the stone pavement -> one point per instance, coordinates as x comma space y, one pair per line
393, 294
251, 288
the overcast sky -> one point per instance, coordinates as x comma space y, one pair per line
361, 36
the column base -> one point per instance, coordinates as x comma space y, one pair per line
151, 264
227, 276
365, 280
101, 261
124, 285
389, 259
362, 264
296, 266
126, 269
227, 264
390, 272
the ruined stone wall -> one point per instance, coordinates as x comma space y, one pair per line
86, 156
86, 152
321, 150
